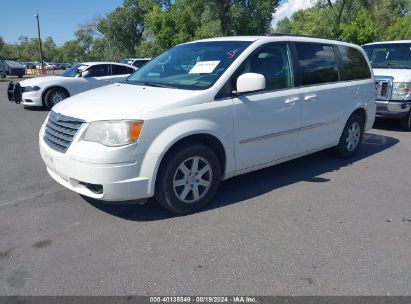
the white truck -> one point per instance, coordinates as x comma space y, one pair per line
391, 62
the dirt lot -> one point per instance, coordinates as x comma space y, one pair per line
314, 226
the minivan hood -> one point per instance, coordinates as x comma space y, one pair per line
122, 101
400, 75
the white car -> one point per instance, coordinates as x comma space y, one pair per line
391, 61
47, 66
209, 110
137, 62
48, 91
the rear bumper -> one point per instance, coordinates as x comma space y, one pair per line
392, 109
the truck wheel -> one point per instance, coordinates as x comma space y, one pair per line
54, 96
405, 122
188, 179
351, 137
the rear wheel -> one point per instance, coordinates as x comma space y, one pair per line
54, 96
351, 137
405, 122
188, 179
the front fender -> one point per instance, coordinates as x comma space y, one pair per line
176, 132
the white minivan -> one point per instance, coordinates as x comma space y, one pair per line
206, 111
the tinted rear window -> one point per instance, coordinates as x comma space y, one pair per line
317, 62
121, 70
355, 66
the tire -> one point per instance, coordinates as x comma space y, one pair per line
405, 122
54, 96
182, 190
351, 137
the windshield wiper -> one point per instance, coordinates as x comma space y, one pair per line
390, 66
156, 84
150, 84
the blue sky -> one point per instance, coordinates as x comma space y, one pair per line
58, 18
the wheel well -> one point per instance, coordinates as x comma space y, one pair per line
362, 113
206, 139
51, 88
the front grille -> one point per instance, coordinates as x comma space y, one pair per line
60, 131
384, 89
383, 85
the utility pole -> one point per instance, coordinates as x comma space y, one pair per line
38, 32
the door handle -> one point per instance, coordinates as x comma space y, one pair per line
311, 97
292, 100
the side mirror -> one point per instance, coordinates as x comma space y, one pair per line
84, 74
250, 82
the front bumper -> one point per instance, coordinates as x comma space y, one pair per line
15, 94
32, 99
105, 181
392, 109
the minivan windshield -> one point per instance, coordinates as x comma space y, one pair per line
74, 70
390, 55
192, 66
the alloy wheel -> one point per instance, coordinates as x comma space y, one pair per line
192, 179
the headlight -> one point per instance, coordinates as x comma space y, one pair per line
30, 89
114, 133
401, 91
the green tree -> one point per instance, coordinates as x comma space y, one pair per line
2, 43
72, 51
186, 20
49, 49
316, 21
400, 30
124, 27
361, 30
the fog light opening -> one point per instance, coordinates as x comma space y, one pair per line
97, 189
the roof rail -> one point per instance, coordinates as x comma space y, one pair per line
298, 35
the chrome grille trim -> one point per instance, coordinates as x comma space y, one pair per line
383, 86
60, 131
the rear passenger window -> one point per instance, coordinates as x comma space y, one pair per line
139, 63
121, 70
274, 64
318, 63
354, 63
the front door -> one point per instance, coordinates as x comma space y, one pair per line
98, 76
266, 123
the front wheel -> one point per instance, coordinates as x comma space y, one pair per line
188, 179
54, 96
406, 122
351, 137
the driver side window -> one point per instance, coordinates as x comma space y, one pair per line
273, 62
98, 70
